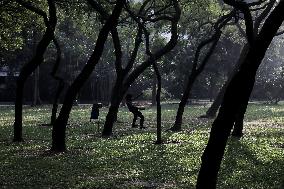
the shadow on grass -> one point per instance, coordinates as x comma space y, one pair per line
243, 167
130, 159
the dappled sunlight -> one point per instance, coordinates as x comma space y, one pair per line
250, 159
130, 159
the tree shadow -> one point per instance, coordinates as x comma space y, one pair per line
243, 168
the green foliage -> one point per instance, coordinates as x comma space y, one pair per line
14, 19
131, 160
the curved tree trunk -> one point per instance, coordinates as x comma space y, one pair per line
195, 72
59, 127
216, 104
116, 98
236, 96
191, 79
212, 111
110, 119
55, 101
60, 82
30, 67
26, 71
221, 128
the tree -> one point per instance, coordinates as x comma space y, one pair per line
237, 94
59, 126
196, 70
50, 23
211, 112
60, 80
124, 77
159, 82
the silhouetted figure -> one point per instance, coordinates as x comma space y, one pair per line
95, 111
135, 110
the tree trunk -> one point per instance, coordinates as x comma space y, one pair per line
36, 98
191, 79
26, 71
59, 127
116, 98
158, 100
110, 120
239, 121
236, 96
221, 128
195, 71
55, 101
60, 82
211, 112
18, 110
29, 68
154, 90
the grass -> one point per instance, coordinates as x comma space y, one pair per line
130, 159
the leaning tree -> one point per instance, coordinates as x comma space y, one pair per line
59, 126
212, 111
50, 21
238, 91
197, 67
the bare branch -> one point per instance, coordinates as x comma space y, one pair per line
263, 15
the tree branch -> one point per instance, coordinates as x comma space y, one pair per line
244, 8
34, 9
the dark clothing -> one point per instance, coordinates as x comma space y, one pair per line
95, 111
135, 110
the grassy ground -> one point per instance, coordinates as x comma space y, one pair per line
131, 160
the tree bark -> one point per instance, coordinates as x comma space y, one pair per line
236, 96
26, 71
154, 90
18, 136
60, 82
59, 127
239, 121
116, 98
36, 97
30, 67
158, 100
178, 121
55, 101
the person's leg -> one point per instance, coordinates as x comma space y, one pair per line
141, 119
134, 119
